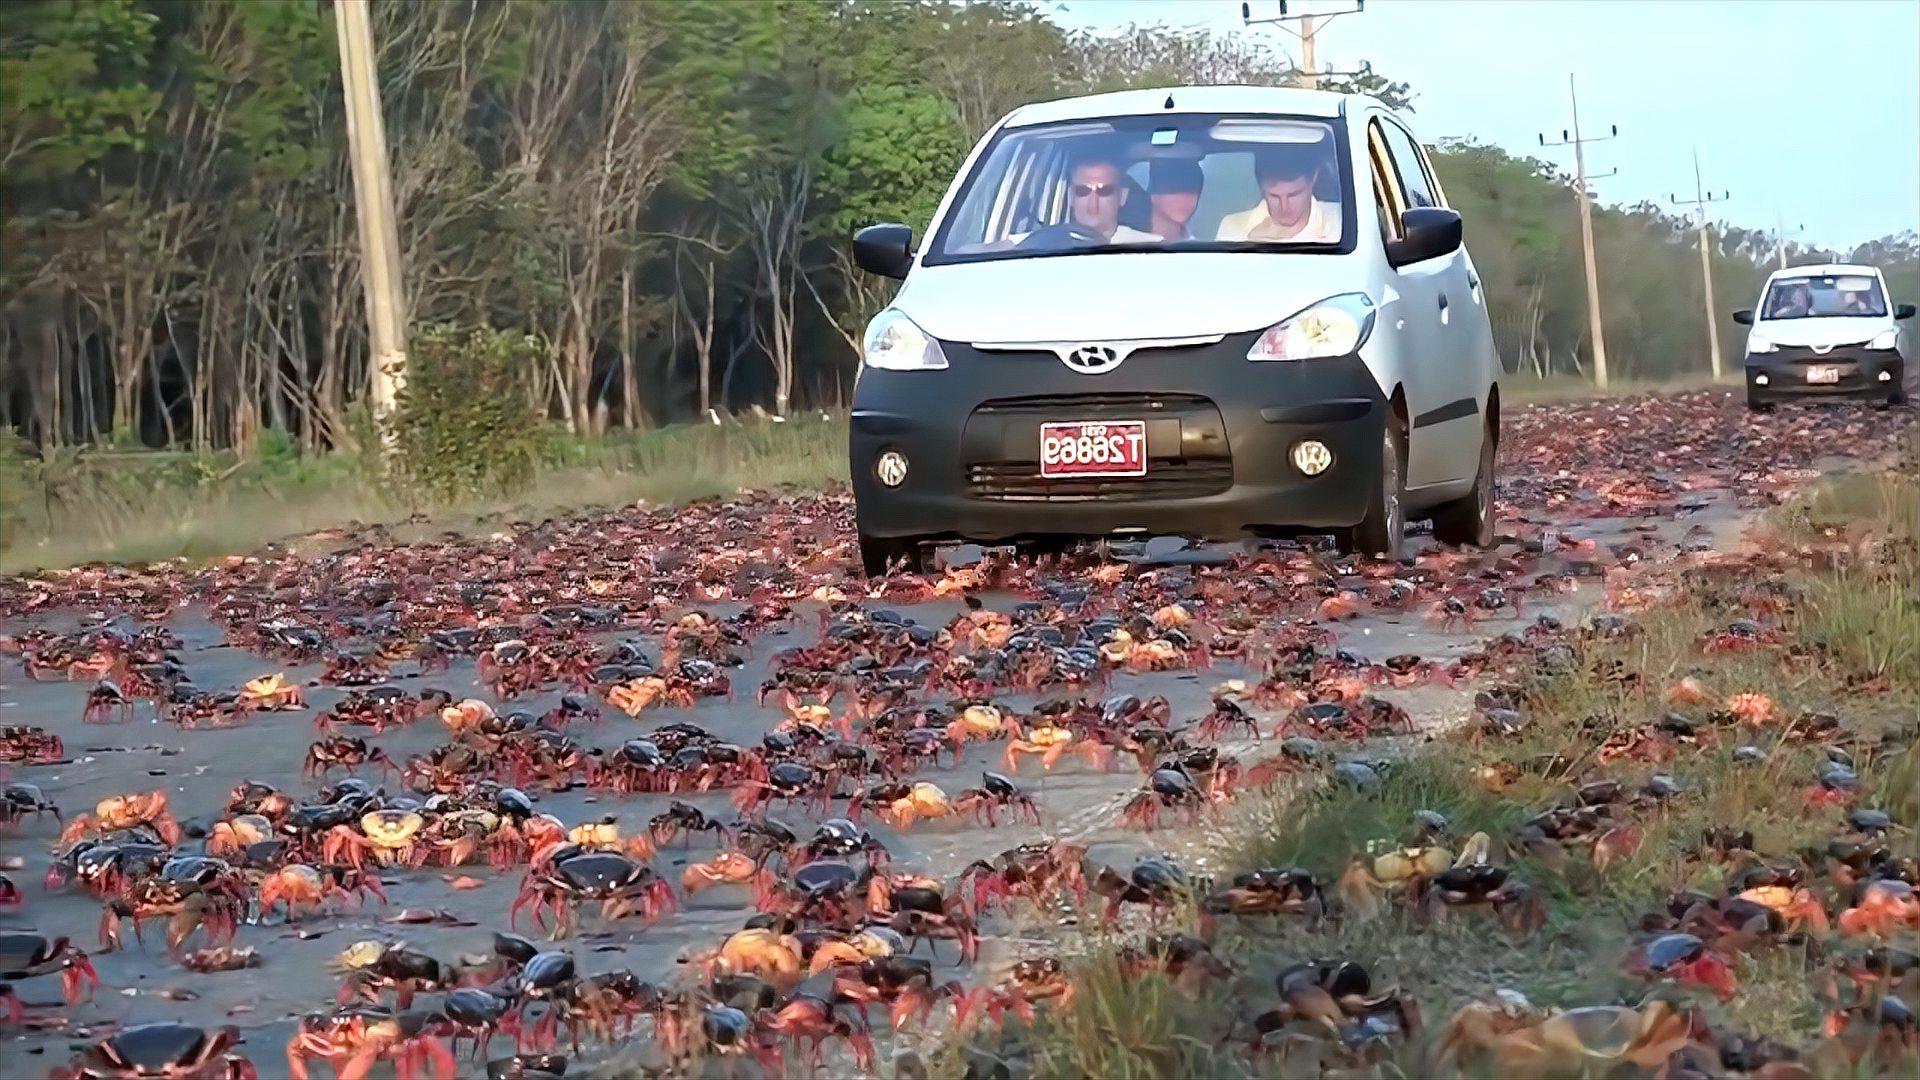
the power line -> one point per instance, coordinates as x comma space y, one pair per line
1579, 142
1311, 23
1701, 197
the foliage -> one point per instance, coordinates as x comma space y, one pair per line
463, 424
182, 249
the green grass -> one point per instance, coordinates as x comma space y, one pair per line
1850, 649
146, 507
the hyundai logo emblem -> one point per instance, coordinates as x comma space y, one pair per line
1093, 359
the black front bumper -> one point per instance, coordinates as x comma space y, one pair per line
1220, 435
1861, 372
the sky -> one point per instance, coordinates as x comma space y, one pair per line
1808, 113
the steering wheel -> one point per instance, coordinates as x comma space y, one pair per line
1065, 234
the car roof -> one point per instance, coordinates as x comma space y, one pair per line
1824, 270
1284, 101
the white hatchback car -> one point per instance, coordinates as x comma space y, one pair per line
1204, 311
1825, 331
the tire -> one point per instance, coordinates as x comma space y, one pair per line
1754, 404
1896, 398
1383, 532
1468, 520
880, 555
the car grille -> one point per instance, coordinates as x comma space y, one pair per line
1167, 478
1094, 406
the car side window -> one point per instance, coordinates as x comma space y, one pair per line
1413, 173
1387, 198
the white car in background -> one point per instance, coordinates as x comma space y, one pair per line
1826, 331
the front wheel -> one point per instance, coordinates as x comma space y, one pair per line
882, 555
1383, 532
1754, 404
1468, 520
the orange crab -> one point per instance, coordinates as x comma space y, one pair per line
118, 812
272, 693
304, 888
466, 716
761, 951
959, 579
727, 868
1798, 906
604, 835
392, 837
231, 836
1050, 741
923, 800
1885, 908
634, 696
981, 722
983, 629
1752, 707
1688, 691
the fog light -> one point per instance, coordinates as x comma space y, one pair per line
891, 468
1761, 379
1312, 457
1886, 376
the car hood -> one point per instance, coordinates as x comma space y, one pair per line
1824, 332
1120, 295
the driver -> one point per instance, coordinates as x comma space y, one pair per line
1796, 301
1287, 211
1096, 191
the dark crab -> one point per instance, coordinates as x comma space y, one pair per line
996, 791
618, 883
24, 954
165, 1049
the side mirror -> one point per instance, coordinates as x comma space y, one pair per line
1744, 316
1903, 311
1427, 232
886, 250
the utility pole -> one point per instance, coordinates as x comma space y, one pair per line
1311, 23
373, 203
1780, 236
1701, 197
1575, 140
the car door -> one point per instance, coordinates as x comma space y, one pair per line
1421, 316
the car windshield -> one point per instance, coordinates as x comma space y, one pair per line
1186, 182
1824, 296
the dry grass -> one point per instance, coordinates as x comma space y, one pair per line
1525, 389
150, 507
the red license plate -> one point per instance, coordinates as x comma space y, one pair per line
1823, 373
1105, 448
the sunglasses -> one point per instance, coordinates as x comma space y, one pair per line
1098, 191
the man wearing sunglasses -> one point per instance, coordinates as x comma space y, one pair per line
1096, 191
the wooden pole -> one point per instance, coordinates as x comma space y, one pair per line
1594, 324
380, 271
1706, 268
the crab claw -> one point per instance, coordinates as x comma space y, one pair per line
438, 1055
659, 899
79, 980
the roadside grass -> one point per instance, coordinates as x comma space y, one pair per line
1849, 649
152, 506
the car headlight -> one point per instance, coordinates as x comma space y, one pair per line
894, 343
1887, 340
1336, 326
1758, 344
